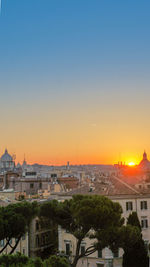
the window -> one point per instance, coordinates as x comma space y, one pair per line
2, 243
144, 223
30, 173
40, 185
146, 243
37, 225
116, 253
67, 249
53, 175
37, 241
31, 185
143, 205
43, 239
24, 251
10, 242
109, 263
129, 205
23, 237
99, 252
100, 265
82, 249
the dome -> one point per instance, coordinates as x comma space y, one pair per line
145, 163
6, 157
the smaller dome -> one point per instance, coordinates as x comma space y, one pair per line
6, 157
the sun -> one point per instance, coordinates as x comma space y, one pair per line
131, 164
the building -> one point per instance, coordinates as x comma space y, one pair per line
23, 245
6, 162
130, 199
42, 238
145, 163
70, 182
8, 197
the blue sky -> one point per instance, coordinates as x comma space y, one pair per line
90, 57
65, 41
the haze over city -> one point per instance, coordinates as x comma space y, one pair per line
74, 80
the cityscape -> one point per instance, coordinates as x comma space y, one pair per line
128, 185
74, 133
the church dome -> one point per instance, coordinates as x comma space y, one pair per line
145, 163
6, 157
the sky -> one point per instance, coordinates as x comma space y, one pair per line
75, 80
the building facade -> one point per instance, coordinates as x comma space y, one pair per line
42, 238
105, 258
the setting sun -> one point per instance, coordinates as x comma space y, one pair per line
131, 164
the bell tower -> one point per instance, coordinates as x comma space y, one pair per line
144, 155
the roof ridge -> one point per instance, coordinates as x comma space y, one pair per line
127, 185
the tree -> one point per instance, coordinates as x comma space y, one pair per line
38, 262
135, 254
16, 260
134, 220
19, 260
95, 217
14, 222
56, 261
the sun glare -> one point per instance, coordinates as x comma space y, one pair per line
131, 164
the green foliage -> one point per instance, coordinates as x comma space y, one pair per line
16, 260
82, 213
135, 254
15, 220
99, 218
130, 235
136, 257
134, 220
55, 261
38, 262
86, 216
34, 262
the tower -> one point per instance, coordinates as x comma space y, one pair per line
144, 155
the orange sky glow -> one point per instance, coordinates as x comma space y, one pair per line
74, 85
